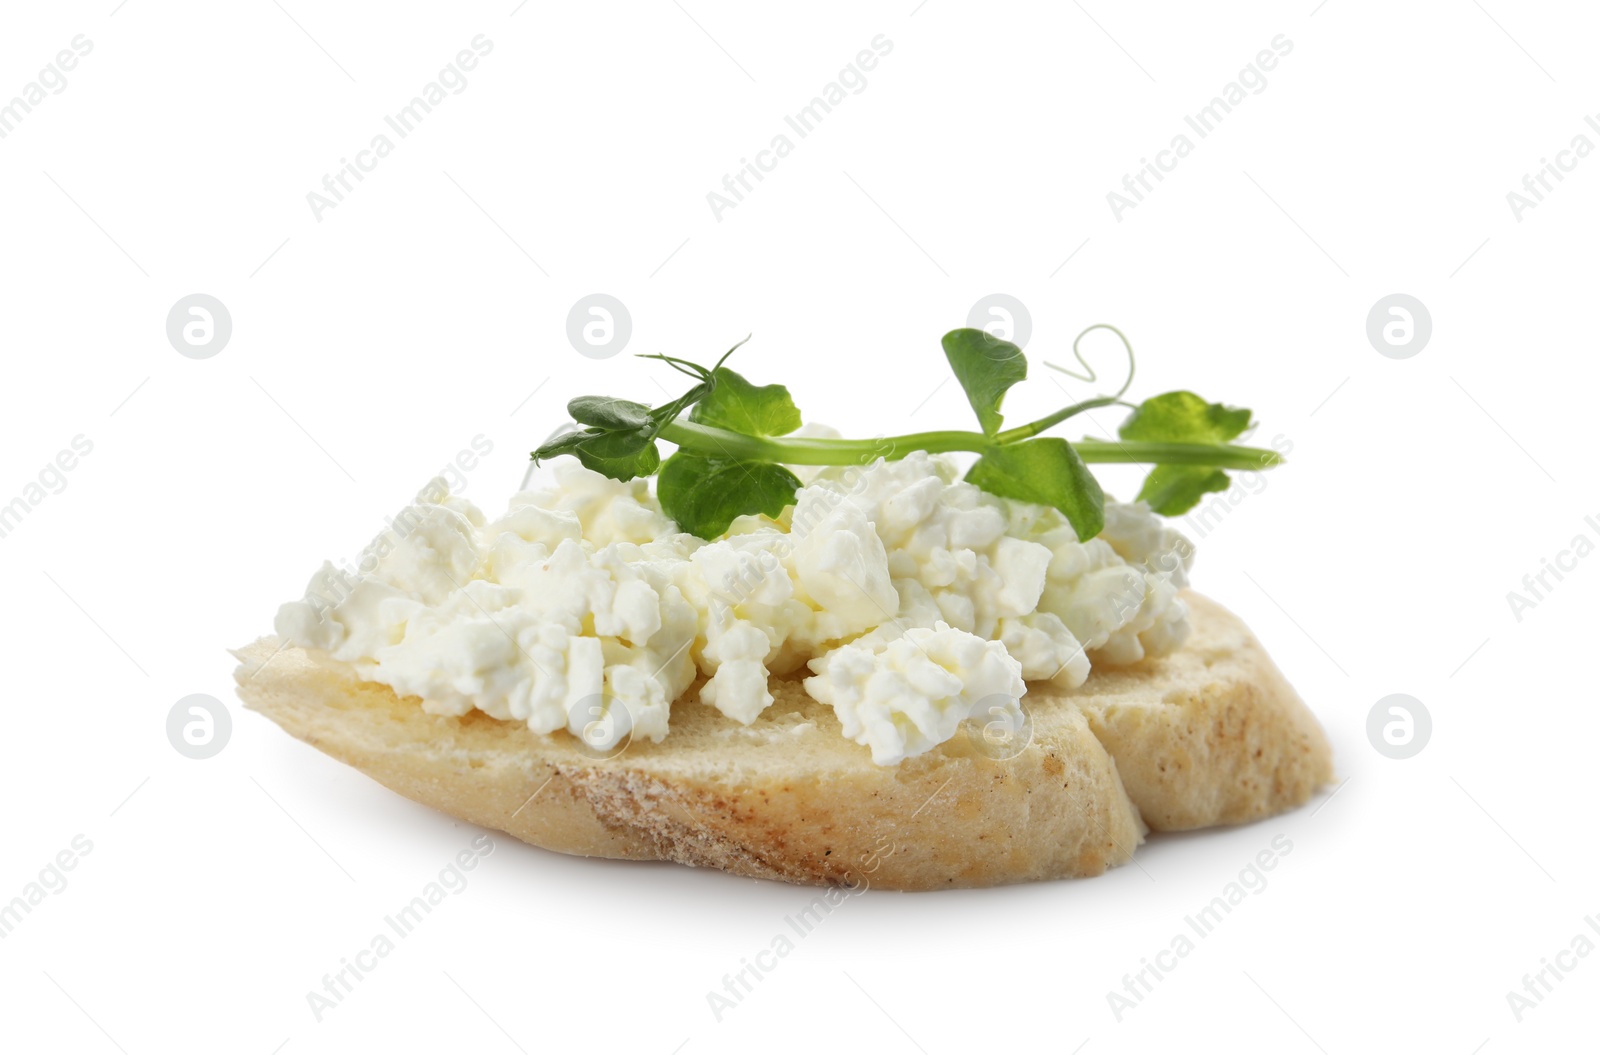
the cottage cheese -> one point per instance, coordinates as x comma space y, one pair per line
912, 600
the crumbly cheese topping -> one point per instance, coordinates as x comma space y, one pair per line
912, 600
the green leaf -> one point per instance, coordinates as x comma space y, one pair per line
607, 413
738, 406
619, 455
1047, 472
986, 366
704, 494
1182, 417
1173, 490
566, 443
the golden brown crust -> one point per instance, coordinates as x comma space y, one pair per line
1214, 735
1211, 735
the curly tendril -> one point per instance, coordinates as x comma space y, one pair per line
1089, 376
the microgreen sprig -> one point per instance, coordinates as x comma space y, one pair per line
734, 442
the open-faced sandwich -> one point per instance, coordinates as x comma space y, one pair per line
810, 658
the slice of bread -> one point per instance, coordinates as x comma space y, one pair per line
1210, 735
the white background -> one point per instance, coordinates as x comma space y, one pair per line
429, 307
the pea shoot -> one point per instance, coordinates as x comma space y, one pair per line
733, 442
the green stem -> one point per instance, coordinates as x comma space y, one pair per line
1033, 428
795, 450
1229, 456
808, 451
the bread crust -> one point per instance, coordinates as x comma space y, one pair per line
1210, 735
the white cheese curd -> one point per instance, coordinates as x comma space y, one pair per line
608, 510
910, 597
907, 694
